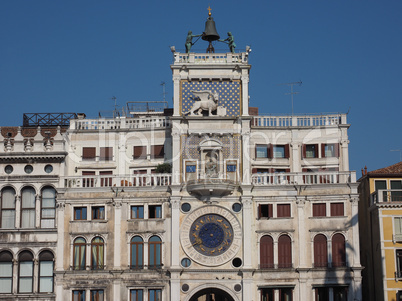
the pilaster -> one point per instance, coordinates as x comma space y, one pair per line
247, 231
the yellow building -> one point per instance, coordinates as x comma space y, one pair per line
380, 225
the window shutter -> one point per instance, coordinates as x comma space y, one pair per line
88, 152
319, 209
106, 153
254, 170
336, 150
323, 150
266, 252
270, 151
259, 211
397, 225
320, 251
157, 151
337, 209
287, 152
316, 151
270, 210
303, 151
338, 250
283, 210
140, 152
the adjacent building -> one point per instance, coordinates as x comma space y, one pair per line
204, 201
380, 223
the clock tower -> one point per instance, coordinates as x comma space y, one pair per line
211, 207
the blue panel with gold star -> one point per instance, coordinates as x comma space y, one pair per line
229, 94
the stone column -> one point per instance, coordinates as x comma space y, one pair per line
247, 231
117, 236
302, 233
246, 155
176, 94
17, 211
37, 211
296, 159
355, 253
35, 288
244, 82
344, 154
176, 157
175, 232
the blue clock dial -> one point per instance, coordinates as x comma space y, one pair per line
211, 234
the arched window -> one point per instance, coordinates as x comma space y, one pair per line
6, 274
284, 252
155, 252
338, 251
137, 252
25, 272
79, 254
48, 211
28, 208
320, 251
7, 208
266, 252
46, 265
97, 253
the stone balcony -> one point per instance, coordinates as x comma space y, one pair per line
210, 58
299, 121
303, 178
120, 123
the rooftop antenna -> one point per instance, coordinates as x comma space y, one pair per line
291, 90
163, 84
400, 153
115, 105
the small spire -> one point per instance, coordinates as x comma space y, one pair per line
209, 10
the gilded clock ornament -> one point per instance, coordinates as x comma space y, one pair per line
211, 235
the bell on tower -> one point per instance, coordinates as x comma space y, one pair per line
210, 34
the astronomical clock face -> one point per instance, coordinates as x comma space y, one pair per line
211, 235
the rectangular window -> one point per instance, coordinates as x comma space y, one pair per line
106, 154
267, 294
265, 211
137, 212
337, 209
279, 151
261, 151
88, 153
25, 284
80, 213
310, 151
155, 295
79, 295
398, 225
399, 263
155, 211
330, 150
136, 295
286, 294
6, 277
399, 296
396, 196
322, 293
46, 276
340, 293
140, 152
319, 209
157, 152
98, 212
48, 211
283, 210
97, 295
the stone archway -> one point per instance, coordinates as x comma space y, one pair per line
211, 294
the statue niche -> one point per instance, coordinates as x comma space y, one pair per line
211, 164
205, 100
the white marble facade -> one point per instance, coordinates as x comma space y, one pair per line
254, 208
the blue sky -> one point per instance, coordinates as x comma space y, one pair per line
73, 56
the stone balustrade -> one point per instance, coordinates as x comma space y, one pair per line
303, 178
299, 120
210, 58
135, 180
120, 123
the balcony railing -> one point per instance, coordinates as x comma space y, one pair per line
299, 120
295, 178
139, 180
210, 58
386, 195
120, 123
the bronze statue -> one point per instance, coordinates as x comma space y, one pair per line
189, 40
230, 41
